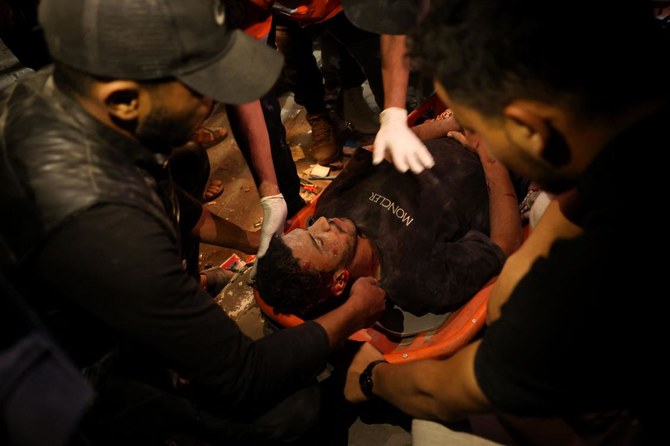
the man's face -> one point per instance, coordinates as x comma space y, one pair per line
327, 245
173, 113
495, 137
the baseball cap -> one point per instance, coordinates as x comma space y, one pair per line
154, 39
385, 16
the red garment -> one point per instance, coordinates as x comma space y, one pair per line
259, 30
308, 12
254, 17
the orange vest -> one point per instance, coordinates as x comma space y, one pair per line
254, 17
259, 30
307, 12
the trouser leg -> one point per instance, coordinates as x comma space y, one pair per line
285, 169
364, 48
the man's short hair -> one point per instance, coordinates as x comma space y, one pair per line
289, 288
487, 53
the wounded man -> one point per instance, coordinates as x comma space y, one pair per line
426, 237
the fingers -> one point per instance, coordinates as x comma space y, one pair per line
378, 151
458, 136
420, 159
414, 163
426, 158
400, 162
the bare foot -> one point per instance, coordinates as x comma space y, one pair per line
213, 191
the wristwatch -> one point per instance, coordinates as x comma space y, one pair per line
365, 380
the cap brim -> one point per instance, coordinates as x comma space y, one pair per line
383, 16
245, 71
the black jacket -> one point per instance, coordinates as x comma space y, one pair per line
94, 247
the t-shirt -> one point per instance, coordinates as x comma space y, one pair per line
583, 330
431, 230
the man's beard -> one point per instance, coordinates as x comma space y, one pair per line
162, 133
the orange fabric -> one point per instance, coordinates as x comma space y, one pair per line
259, 30
311, 11
256, 17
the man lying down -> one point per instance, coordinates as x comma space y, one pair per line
431, 239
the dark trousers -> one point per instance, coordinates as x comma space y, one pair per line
130, 411
340, 70
301, 71
284, 166
190, 169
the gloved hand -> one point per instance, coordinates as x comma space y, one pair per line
405, 148
274, 218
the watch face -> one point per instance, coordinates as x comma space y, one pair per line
365, 380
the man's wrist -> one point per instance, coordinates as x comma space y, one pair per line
365, 380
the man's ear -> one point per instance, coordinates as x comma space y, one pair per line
340, 281
527, 126
121, 99
530, 125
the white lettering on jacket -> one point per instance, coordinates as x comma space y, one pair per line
390, 206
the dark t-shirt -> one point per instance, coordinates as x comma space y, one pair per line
430, 230
112, 274
582, 330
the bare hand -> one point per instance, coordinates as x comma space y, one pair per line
469, 140
473, 143
368, 298
352, 388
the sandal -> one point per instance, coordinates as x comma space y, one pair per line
209, 137
213, 191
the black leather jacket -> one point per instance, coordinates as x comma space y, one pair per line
63, 174
56, 161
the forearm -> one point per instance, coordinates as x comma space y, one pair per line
444, 390
435, 129
340, 323
552, 226
254, 131
365, 304
395, 70
215, 230
505, 220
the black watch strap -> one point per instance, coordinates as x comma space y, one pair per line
365, 380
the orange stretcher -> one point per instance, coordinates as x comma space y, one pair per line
403, 337
430, 336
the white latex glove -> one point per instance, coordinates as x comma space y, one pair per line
274, 218
405, 148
